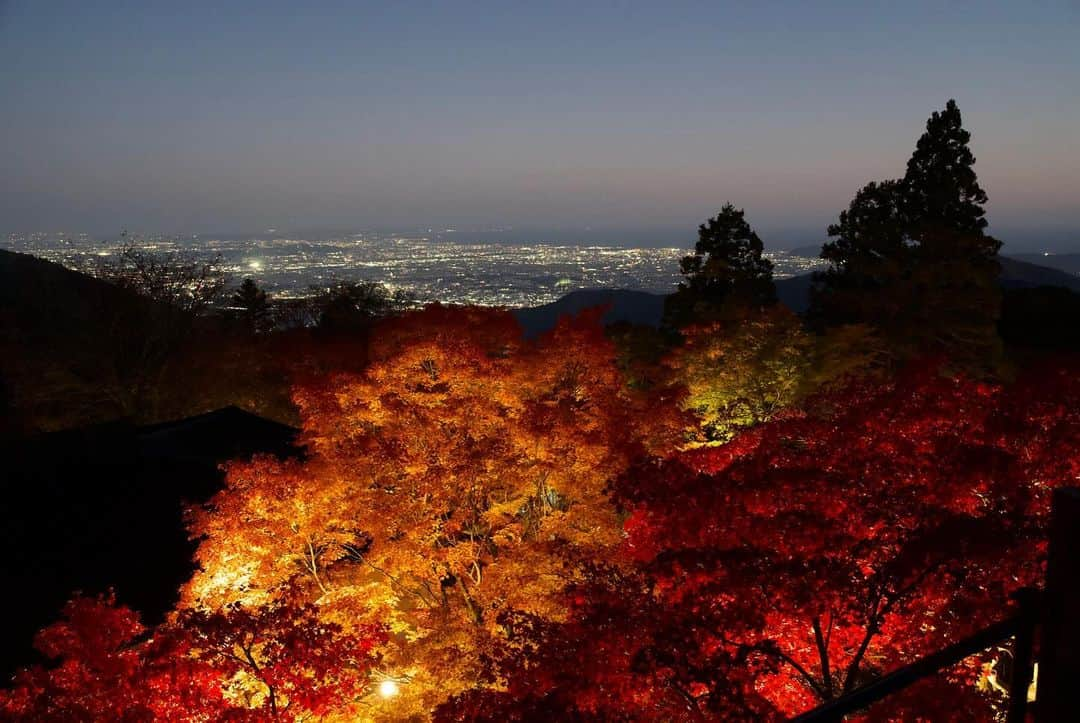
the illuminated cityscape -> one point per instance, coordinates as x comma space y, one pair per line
436, 266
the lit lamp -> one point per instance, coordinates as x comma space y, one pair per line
388, 688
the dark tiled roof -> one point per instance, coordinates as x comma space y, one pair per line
100, 507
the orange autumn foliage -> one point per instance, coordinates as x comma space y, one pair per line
490, 528
464, 473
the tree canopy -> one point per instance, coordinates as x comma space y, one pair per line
486, 527
739, 517
911, 256
250, 305
726, 271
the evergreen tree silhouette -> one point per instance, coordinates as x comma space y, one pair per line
725, 274
870, 253
911, 256
940, 187
251, 305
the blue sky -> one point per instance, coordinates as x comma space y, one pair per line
235, 116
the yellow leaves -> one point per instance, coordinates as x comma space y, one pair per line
500, 514
740, 374
226, 577
462, 474
416, 468
245, 690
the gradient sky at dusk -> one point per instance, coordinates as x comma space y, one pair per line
235, 116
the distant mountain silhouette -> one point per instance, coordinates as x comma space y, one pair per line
76, 350
1069, 263
1017, 274
53, 323
794, 292
640, 307
42, 299
635, 307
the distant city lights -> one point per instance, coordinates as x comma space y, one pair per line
442, 265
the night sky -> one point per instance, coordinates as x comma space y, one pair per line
190, 117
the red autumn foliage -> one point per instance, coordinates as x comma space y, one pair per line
463, 474
624, 655
107, 668
236, 665
816, 552
299, 663
513, 511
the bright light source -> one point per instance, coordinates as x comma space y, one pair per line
388, 688
255, 265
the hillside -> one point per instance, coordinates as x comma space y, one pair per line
635, 307
1022, 274
64, 341
1069, 263
75, 351
1015, 274
54, 326
1016, 266
46, 300
639, 307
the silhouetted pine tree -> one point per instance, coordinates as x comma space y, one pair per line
725, 274
911, 256
351, 306
251, 306
940, 187
870, 254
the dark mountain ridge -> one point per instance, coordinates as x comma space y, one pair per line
1069, 263
794, 292
623, 305
640, 307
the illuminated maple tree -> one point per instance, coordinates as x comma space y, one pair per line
283, 659
464, 473
812, 554
106, 669
743, 371
738, 374
490, 528
232, 665
625, 653
869, 529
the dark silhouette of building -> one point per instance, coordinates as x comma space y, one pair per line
102, 507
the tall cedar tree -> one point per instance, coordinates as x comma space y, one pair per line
251, 307
911, 256
940, 187
726, 271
